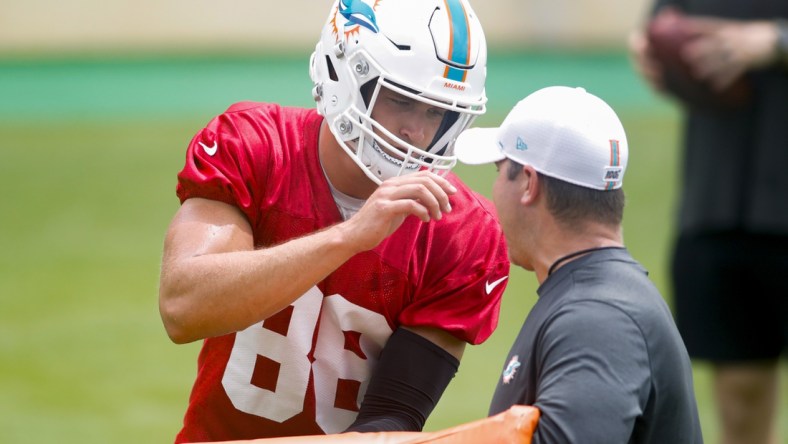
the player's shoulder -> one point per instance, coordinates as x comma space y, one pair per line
471, 224
261, 123
240, 107
467, 204
272, 111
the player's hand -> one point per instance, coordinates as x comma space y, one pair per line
726, 49
422, 194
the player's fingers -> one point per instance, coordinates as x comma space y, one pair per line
436, 185
441, 188
444, 183
378, 218
393, 212
426, 194
420, 176
409, 207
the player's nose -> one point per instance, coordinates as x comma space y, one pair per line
414, 130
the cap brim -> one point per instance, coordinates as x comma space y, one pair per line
477, 146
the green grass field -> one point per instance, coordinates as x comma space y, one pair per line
90, 148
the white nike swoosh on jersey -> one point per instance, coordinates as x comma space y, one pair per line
490, 286
209, 150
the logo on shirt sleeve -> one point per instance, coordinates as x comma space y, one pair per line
511, 369
490, 286
209, 150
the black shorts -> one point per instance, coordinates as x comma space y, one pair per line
731, 296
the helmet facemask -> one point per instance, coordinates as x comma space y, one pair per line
383, 153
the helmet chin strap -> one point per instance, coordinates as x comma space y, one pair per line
380, 164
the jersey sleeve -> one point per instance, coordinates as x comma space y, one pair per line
464, 277
594, 375
220, 164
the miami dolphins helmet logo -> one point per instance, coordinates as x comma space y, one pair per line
357, 13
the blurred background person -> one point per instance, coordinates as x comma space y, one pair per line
727, 64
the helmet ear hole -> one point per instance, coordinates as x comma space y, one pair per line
366, 91
449, 119
332, 74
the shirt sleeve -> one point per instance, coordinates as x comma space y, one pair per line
466, 273
593, 372
220, 164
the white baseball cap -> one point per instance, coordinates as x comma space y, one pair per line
562, 132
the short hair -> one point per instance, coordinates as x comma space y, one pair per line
574, 205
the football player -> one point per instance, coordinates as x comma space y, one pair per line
332, 264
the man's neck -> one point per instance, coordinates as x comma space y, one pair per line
562, 247
341, 170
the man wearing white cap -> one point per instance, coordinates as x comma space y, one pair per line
599, 353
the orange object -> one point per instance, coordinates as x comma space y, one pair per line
515, 426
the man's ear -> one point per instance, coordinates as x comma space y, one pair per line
530, 185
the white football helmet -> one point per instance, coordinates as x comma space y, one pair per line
431, 51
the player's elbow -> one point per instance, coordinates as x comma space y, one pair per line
174, 316
172, 325
175, 331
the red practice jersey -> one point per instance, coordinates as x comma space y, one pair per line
305, 369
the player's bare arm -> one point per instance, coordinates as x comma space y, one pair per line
213, 281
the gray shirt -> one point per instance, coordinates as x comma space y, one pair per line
600, 356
